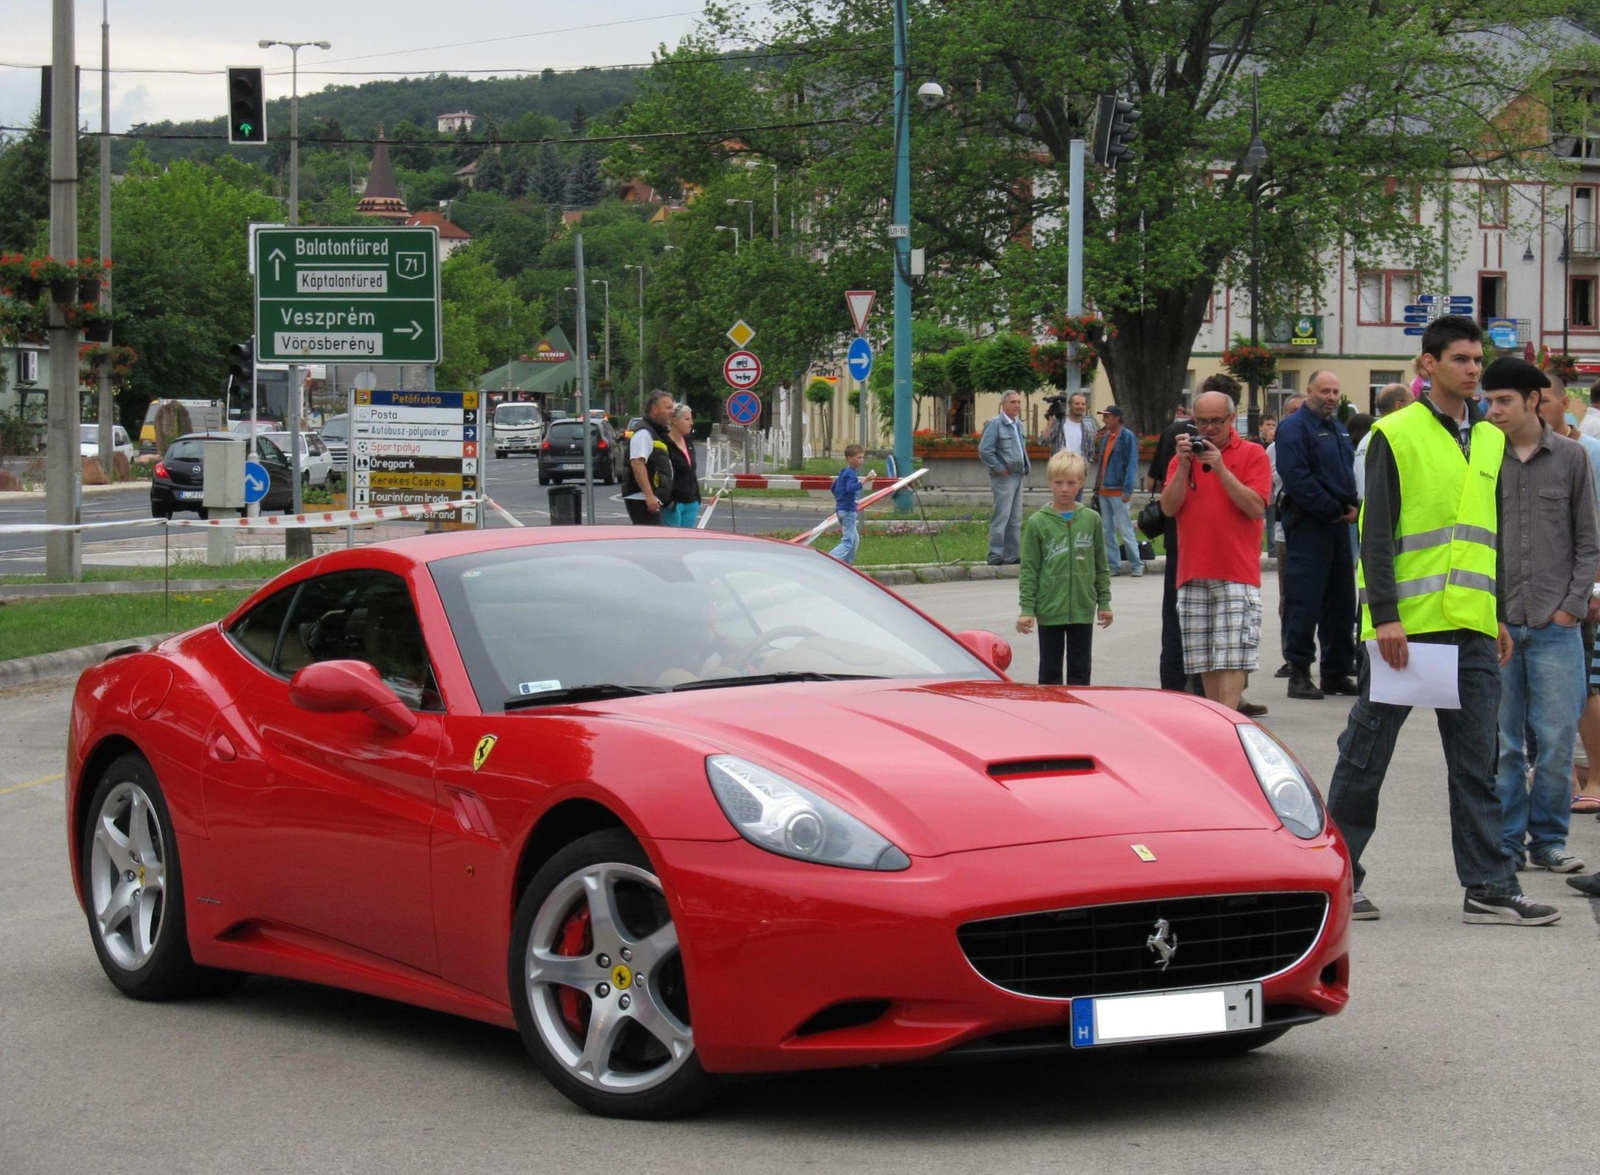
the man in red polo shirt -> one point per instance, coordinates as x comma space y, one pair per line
1217, 489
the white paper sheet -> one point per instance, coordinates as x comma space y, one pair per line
1429, 679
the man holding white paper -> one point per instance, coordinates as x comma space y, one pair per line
1549, 551
1429, 528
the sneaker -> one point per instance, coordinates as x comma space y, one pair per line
1137, 572
1302, 687
1285, 670
1557, 861
1363, 910
1506, 909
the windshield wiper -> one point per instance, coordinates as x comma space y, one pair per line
773, 679
580, 693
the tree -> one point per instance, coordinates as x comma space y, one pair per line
485, 322
586, 187
580, 120
820, 392
491, 175
550, 175
1391, 98
519, 181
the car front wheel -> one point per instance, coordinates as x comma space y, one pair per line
133, 884
598, 986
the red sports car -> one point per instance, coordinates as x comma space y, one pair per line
679, 805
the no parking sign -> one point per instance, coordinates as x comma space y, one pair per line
744, 408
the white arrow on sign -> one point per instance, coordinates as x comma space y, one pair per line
414, 330
277, 258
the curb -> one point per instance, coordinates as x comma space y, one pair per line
17, 592
65, 662
88, 491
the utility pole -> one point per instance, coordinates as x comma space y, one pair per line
1255, 159
63, 482
600, 281
583, 380
901, 230
1074, 260
108, 409
640, 270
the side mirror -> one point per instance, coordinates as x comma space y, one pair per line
987, 646
338, 687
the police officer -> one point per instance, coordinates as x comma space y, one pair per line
1314, 462
1429, 530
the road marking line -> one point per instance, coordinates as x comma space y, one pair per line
56, 778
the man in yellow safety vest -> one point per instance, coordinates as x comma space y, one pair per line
1429, 529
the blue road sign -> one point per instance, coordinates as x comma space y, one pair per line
744, 408
1419, 317
1427, 299
1460, 299
860, 359
1415, 330
256, 481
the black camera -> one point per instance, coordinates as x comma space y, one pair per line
1197, 441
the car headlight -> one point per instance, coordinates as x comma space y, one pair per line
779, 815
1287, 789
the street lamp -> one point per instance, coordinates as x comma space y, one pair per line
751, 207
600, 281
640, 270
1255, 159
722, 228
1564, 227
298, 541
774, 167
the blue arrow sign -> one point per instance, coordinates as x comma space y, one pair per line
860, 359
256, 481
1414, 330
1427, 299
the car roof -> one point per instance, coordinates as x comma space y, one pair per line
212, 436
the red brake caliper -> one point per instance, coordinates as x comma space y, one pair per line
575, 940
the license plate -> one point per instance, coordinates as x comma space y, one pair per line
190, 495
573, 468
1123, 1019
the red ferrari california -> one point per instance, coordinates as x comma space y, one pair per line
676, 805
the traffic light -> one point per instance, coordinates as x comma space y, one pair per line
1114, 120
247, 105
241, 371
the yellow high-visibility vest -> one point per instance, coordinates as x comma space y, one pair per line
1445, 544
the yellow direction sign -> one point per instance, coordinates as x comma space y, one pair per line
741, 334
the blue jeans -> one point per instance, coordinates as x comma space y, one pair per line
1367, 745
1543, 688
849, 537
1118, 519
1005, 524
684, 514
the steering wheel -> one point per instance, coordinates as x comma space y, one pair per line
744, 654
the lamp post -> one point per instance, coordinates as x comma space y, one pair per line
1255, 159
298, 542
750, 206
774, 167
600, 281
900, 233
107, 413
722, 228
640, 270
1564, 227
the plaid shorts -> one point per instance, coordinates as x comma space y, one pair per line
1221, 624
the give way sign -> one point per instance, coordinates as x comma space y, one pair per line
742, 370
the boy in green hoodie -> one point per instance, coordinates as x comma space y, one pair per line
1066, 581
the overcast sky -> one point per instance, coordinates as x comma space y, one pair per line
391, 35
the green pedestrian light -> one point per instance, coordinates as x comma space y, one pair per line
247, 105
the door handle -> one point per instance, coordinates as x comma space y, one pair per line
222, 748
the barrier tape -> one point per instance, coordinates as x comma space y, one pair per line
817, 531
777, 481
705, 515
503, 512
267, 521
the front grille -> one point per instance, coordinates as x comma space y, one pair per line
1103, 950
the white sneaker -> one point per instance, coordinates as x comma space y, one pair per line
1557, 861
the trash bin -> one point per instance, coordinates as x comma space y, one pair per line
566, 506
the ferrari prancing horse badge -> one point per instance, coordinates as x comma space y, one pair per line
481, 755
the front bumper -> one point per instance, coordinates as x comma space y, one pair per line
769, 943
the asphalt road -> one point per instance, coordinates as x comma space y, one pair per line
511, 481
1465, 1048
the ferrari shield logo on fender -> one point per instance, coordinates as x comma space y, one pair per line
1143, 853
481, 755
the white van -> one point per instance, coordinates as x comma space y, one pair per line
518, 428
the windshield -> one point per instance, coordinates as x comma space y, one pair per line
190, 449
672, 612
568, 430
337, 429
516, 414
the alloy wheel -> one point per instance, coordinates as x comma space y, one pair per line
128, 876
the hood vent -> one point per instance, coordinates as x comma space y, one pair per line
1026, 768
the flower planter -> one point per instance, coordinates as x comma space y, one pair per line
89, 289
956, 467
29, 289
97, 332
64, 290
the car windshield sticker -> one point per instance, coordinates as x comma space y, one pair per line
537, 687
481, 755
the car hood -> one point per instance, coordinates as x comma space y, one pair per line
956, 766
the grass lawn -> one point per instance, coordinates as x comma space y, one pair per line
46, 626
181, 569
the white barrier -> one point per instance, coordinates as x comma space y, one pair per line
817, 531
340, 518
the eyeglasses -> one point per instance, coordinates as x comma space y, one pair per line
1212, 421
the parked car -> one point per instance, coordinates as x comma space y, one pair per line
176, 482
262, 424
561, 453
89, 441
336, 435
316, 466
